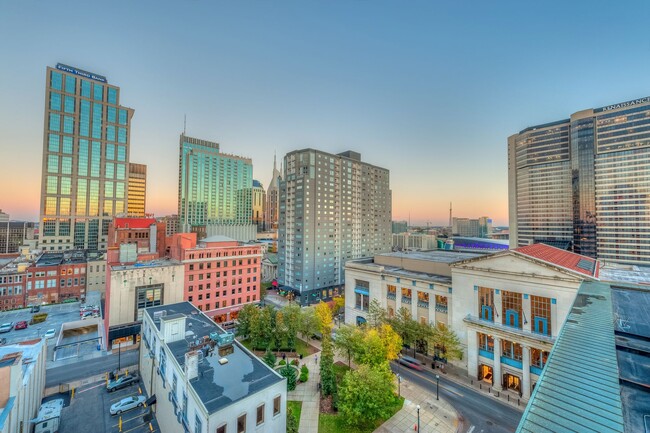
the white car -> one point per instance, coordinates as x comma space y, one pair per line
6, 327
50, 333
127, 404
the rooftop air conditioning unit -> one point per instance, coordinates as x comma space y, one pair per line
223, 361
158, 314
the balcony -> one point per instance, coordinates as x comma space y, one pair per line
503, 331
423, 304
406, 299
441, 308
391, 296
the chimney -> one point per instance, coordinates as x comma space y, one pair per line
191, 365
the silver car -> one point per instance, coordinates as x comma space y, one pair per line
127, 404
6, 327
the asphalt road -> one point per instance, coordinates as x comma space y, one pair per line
480, 412
88, 368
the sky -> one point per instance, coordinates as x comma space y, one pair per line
430, 90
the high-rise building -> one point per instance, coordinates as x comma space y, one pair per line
214, 191
333, 208
85, 159
13, 234
171, 224
137, 191
582, 183
478, 228
398, 227
273, 199
259, 203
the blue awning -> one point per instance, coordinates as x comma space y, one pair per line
362, 291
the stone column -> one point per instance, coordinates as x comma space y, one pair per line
527, 313
525, 388
496, 369
414, 305
472, 353
496, 314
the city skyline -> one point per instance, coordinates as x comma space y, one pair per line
398, 85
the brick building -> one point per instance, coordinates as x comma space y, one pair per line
221, 274
147, 233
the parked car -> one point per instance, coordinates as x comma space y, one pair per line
50, 333
35, 309
122, 382
127, 404
6, 327
21, 325
3, 341
410, 362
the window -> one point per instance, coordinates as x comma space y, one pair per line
198, 424
241, 424
221, 429
276, 405
486, 342
511, 309
541, 311
148, 296
260, 414
486, 303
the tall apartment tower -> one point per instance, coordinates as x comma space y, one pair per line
333, 208
86, 143
137, 190
582, 183
214, 191
273, 199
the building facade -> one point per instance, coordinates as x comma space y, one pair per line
137, 190
414, 241
580, 183
333, 208
86, 142
214, 190
13, 234
507, 308
477, 228
133, 287
221, 274
22, 375
146, 234
398, 227
259, 203
171, 224
205, 380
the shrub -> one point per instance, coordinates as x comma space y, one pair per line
269, 358
282, 362
303, 377
295, 362
290, 373
304, 369
292, 421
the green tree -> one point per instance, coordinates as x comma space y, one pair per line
446, 343
290, 373
269, 358
365, 395
261, 329
376, 314
308, 322
404, 325
349, 341
244, 319
292, 421
293, 322
280, 330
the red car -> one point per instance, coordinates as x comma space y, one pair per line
21, 325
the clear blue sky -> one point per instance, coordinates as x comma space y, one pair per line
430, 90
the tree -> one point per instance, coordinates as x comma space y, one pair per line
349, 341
446, 343
263, 288
292, 422
269, 358
327, 376
339, 302
391, 340
376, 314
291, 315
261, 328
280, 330
365, 395
308, 322
324, 318
244, 319
290, 373
404, 325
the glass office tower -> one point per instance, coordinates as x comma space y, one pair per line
214, 189
584, 183
85, 159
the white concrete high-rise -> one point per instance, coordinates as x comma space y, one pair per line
333, 208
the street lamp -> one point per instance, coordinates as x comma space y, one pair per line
418, 408
399, 385
437, 387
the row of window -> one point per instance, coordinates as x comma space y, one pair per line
512, 313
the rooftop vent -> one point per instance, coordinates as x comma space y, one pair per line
158, 314
224, 339
223, 361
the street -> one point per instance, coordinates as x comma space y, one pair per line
479, 412
84, 369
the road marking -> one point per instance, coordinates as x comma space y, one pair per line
131, 419
141, 425
471, 429
92, 387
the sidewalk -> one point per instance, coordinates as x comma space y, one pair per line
309, 395
435, 415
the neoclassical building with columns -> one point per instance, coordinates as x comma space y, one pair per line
507, 308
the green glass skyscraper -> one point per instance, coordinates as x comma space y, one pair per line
214, 190
85, 159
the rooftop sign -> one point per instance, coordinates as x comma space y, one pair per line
623, 104
80, 72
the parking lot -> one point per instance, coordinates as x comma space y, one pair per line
89, 411
57, 315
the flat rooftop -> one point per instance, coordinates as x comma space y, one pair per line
216, 385
66, 257
437, 256
147, 264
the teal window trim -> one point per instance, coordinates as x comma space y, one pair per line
486, 313
362, 291
511, 362
486, 354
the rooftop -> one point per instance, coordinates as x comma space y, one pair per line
133, 223
216, 385
564, 259
217, 238
438, 256
28, 350
66, 257
574, 393
147, 264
